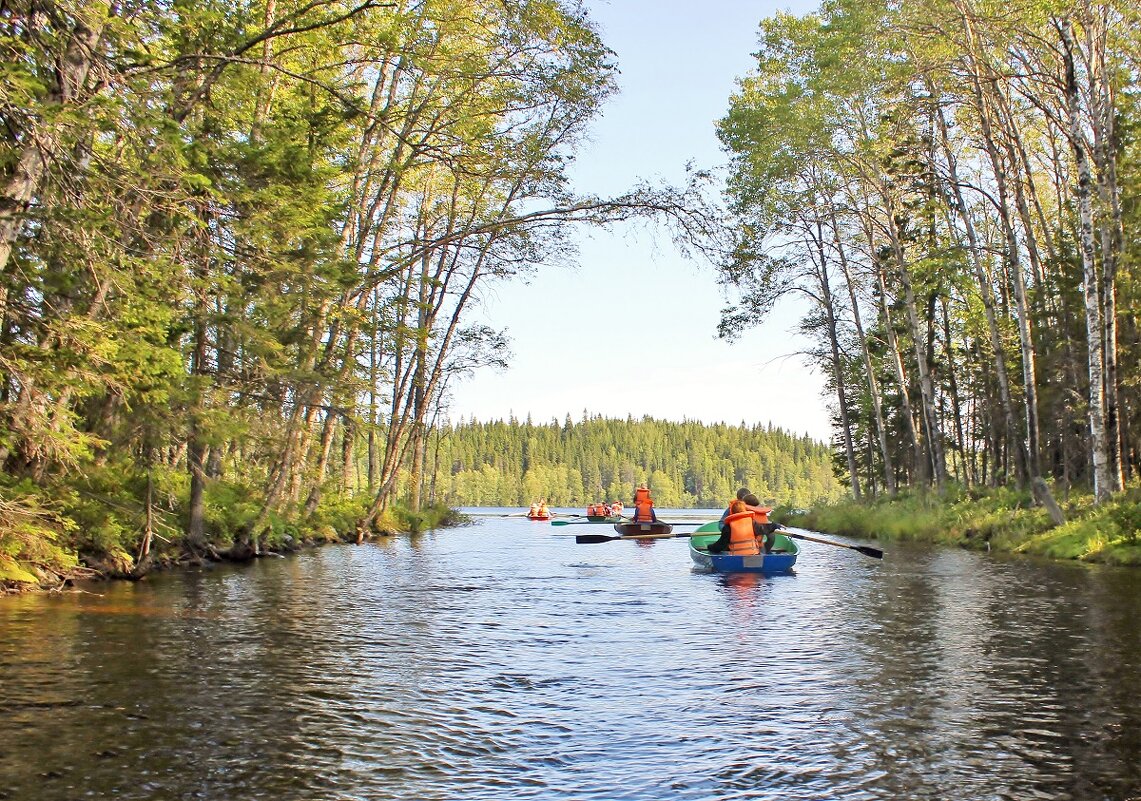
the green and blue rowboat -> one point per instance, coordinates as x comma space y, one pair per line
779, 560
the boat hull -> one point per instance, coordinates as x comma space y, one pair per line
599, 519
538, 517
644, 530
780, 560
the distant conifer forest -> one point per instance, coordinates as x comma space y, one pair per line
687, 464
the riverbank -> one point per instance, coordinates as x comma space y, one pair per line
74, 554
1000, 519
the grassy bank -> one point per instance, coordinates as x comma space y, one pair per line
53, 535
1002, 519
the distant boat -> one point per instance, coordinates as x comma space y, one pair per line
780, 560
601, 513
644, 530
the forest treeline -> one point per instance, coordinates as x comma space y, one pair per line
686, 465
953, 185
240, 246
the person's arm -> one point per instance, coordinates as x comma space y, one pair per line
722, 542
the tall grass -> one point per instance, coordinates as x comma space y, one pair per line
1001, 519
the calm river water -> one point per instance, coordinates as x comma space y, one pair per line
502, 661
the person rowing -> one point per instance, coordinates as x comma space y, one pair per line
644, 507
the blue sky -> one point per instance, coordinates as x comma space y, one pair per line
632, 328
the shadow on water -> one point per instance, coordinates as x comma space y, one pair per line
503, 660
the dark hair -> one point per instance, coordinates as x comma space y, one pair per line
741, 493
752, 500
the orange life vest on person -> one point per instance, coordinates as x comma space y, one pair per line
643, 506
644, 512
742, 542
761, 513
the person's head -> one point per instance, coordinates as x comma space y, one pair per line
741, 493
752, 500
737, 506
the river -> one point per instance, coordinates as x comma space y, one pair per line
503, 661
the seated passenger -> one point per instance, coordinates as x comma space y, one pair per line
738, 527
644, 507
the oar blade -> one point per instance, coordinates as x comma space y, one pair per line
592, 539
866, 550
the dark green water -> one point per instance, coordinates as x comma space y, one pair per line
501, 661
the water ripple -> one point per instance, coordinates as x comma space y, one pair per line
498, 661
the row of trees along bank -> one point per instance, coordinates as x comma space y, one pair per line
688, 464
953, 184
240, 243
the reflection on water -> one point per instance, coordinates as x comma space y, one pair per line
502, 660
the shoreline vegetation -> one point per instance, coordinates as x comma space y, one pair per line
110, 520
57, 568
1004, 520
243, 248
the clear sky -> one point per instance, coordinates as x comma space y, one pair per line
633, 328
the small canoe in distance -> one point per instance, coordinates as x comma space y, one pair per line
644, 530
538, 517
600, 519
780, 560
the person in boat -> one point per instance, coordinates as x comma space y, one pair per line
644, 507
616, 509
543, 511
534, 510
732, 522
761, 518
763, 530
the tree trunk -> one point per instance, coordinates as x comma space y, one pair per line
837, 363
975, 250
926, 383
869, 367
67, 88
1099, 445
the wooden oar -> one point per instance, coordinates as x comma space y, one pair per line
588, 522
866, 550
593, 539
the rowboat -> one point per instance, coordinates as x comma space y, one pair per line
600, 519
780, 560
644, 530
539, 517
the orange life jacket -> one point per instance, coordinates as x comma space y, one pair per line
644, 510
761, 513
742, 542
640, 494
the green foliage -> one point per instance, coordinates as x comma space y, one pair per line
32, 535
573, 464
1000, 519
